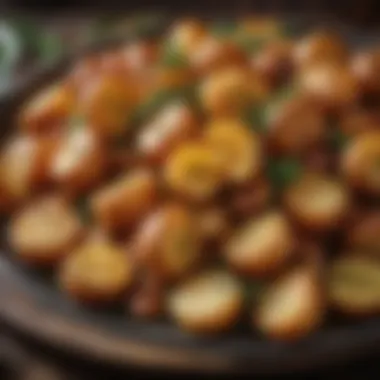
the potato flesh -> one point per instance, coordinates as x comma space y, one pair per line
261, 246
44, 231
96, 271
207, 303
121, 204
292, 307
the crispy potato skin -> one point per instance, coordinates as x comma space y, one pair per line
44, 231
262, 245
292, 307
215, 313
121, 204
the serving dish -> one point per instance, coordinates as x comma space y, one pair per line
40, 309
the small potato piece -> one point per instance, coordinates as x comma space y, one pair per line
208, 303
262, 245
213, 54
97, 272
119, 205
320, 47
107, 102
140, 56
354, 285
186, 35
45, 231
226, 92
366, 68
194, 170
292, 307
238, 146
333, 85
364, 234
169, 241
79, 162
317, 201
173, 124
214, 225
48, 109
296, 125
24, 165
358, 121
360, 162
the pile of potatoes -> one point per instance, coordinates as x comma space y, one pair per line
222, 174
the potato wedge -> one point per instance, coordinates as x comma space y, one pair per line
44, 231
239, 148
97, 272
360, 162
119, 205
194, 170
209, 303
169, 241
317, 201
354, 285
174, 124
48, 110
80, 160
366, 68
262, 245
214, 225
292, 307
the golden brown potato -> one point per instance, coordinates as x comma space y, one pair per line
292, 307
119, 205
194, 170
274, 61
208, 303
25, 164
357, 121
139, 56
317, 201
214, 225
238, 146
333, 85
168, 78
79, 161
107, 102
226, 92
262, 245
48, 110
364, 233
214, 54
296, 125
169, 241
250, 199
354, 285
44, 231
360, 162
97, 271
320, 47
172, 125
366, 68
186, 35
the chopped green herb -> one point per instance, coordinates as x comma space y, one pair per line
255, 117
172, 57
223, 28
284, 171
83, 209
252, 291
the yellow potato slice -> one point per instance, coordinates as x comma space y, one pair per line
354, 285
261, 245
44, 231
239, 147
208, 303
292, 307
317, 201
97, 271
119, 205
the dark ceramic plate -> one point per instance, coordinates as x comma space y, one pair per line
31, 303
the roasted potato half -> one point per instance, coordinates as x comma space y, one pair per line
119, 205
292, 307
169, 241
318, 201
208, 303
354, 285
44, 231
97, 272
262, 245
